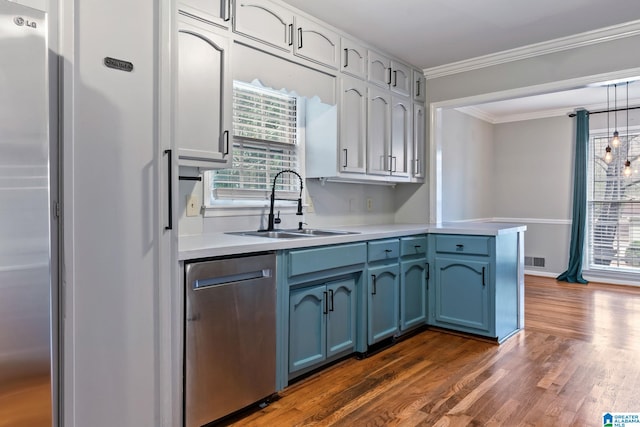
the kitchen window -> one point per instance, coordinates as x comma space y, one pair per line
613, 204
267, 138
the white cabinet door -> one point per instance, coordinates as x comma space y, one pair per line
419, 123
316, 43
354, 59
401, 141
204, 96
379, 69
353, 125
400, 78
215, 11
419, 86
264, 21
379, 132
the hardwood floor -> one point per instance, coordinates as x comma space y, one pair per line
576, 359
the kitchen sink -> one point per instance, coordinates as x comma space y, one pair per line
292, 233
316, 232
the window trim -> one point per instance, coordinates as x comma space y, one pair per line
258, 207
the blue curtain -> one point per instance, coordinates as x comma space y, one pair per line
578, 225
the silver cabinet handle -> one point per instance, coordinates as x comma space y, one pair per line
345, 157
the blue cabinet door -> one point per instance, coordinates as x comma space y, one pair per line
307, 328
383, 295
461, 292
341, 316
413, 293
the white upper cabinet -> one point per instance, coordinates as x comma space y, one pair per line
389, 74
264, 21
353, 125
353, 58
401, 141
419, 123
316, 43
400, 78
419, 86
379, 69
217, 12
204, 96
379, 132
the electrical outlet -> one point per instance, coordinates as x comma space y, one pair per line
369, 204
193, 205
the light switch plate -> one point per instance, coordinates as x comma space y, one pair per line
193, 205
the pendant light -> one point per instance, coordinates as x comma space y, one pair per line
608, 157
627, 165
615, 142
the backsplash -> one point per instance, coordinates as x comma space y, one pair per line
328, 205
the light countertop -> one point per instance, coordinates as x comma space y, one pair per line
220, 244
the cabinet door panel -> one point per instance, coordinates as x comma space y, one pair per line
204, 98
353, 125
379, 69
400, 78
354, 58
413, 293
379, 132
401, 140
265, 22
418, 163
316, 43
461, 292
383, 294
307, 330
215, 11
341, 316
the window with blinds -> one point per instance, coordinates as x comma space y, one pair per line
265, 129
614, 206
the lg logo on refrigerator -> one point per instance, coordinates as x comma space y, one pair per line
20, 21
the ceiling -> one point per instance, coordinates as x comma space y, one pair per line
431, 33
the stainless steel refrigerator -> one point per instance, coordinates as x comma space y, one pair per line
26, 309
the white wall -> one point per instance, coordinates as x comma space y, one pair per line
467, 167
533, 184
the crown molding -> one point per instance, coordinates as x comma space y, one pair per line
614, 32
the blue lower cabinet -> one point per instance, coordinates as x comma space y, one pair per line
322, 323
413, 293
382, 302
307, 327
475, 284
461, 293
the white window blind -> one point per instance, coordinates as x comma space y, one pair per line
265, 128
614, 206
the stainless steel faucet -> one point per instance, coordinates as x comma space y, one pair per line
271, 221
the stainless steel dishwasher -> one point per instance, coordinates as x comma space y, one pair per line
230, 335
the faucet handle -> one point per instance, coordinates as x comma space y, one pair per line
299, 212
277, 220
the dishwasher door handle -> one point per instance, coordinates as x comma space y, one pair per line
231, 279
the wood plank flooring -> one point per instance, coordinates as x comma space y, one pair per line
576, 358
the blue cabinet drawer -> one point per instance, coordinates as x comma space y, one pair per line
380, 250
303, 261
413, 245
465, 245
